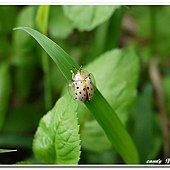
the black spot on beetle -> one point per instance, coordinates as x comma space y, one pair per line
80, 92
91, 89
76, 98
84, 89
77, 87
88, 88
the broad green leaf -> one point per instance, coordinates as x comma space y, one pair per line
111, 71
57, 138
7, 150
100, 108
59, 25
42, 18
86, 18
5, 91
93, 137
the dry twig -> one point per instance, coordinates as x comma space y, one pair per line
156, 82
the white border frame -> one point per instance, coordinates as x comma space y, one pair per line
85, 2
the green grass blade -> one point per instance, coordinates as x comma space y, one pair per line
5, 91
102, 111
7, 150
60, 57
113, 128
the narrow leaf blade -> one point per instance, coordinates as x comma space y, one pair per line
106, 117
113, 128
7, 150
60, 57
5, 91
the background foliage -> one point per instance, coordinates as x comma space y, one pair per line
127, 50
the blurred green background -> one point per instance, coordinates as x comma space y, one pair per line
30, 86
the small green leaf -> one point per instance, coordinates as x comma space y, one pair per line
5, 90
59, 25
7, 150
57, 138
88, 17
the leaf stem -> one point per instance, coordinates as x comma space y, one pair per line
156, 82
42, 24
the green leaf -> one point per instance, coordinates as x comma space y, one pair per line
111, 71
5, 91
42, 18
93, 137
86, 18
117, 88
108, 157
145, 126
143, 123
57, 139
102, 111
59, 25
7, 150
